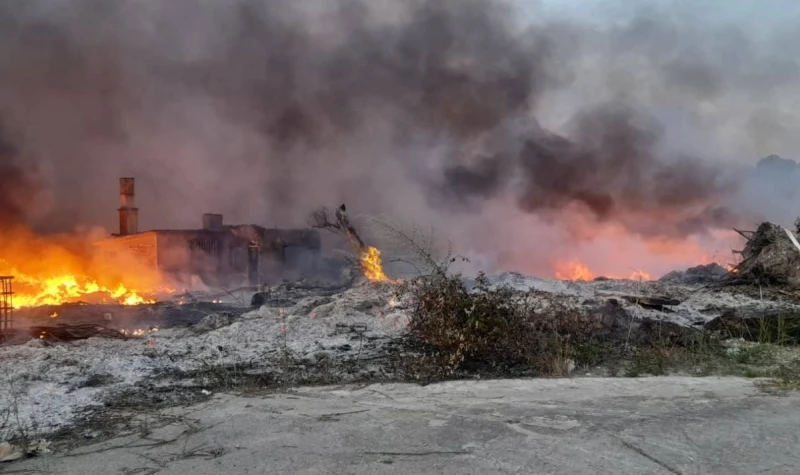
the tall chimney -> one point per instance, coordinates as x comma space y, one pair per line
128, 212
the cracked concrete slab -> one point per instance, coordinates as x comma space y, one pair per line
659, 426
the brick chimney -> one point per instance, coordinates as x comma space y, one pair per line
128, 212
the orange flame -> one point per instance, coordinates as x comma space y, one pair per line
53, 270
576, 270
371, 266
573, 270
33, 292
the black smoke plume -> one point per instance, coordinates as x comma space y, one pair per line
18, 185
265, 109
611, 168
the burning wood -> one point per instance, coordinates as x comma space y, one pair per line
369, 257
56, 269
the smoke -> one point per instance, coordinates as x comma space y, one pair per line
610, 166
19, 185
433, 111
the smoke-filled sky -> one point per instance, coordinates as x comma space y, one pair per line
524, 131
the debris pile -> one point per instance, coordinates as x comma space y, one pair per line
698, 275
213, 321
770, 257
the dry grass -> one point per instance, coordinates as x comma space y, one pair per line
495, 330
12, 426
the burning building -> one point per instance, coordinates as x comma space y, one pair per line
217, 254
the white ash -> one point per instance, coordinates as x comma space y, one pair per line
697, 304
44, 384
47, 384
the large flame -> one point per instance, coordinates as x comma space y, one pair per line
53, 270
371, 266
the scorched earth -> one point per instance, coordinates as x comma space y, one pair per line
308, 336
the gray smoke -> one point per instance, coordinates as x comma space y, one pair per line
264, 109
19, 183
611, 167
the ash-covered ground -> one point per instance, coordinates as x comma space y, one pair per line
299, 336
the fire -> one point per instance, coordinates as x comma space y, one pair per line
52, 270
576, 270
573, 270
33, 292
371, 266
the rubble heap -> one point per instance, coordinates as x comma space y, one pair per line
771, 256
698, 275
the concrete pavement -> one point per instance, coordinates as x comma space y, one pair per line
659, 426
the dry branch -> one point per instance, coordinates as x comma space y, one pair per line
339, 224
745, 234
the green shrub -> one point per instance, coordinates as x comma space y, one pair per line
487, 329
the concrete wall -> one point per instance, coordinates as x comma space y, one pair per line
142, 246
220, 258
213, 256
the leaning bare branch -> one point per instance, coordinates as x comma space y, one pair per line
745, 234
338, 224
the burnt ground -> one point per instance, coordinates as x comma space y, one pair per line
82, 391
147, 317
181, 311
161, 315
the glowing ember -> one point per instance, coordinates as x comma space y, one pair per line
53, 270
573, 270
371, 265
139, 332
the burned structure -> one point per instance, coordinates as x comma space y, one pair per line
218, 254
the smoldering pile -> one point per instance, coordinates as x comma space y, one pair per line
698, 275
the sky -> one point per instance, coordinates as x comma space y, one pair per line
744, 40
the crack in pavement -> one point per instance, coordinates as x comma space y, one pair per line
649, 457
421, 454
